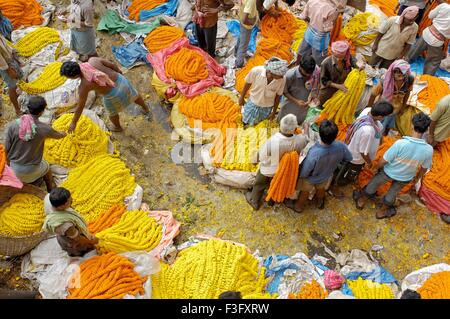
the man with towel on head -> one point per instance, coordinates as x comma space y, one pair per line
266, 84
395, 37
106, 79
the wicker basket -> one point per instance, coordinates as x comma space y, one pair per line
16, 246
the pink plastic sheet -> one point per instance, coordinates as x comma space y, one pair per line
215, 70
434, 202
8, 178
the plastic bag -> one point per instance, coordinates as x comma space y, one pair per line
417, 278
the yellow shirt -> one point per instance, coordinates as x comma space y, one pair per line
441, 115
248, 6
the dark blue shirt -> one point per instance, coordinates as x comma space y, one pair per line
322, 160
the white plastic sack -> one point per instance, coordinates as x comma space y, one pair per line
134, 201
417, 278
184, 13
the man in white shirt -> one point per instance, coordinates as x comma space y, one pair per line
363, 139
270, 154
433, 39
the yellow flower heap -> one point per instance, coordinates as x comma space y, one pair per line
206, 270
367, 289
247, 143
341, 106
99, 184
48, 80
22, 215
135, 231
38, 39
301, 27
87, 142
356, 28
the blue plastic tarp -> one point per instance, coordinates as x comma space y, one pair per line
234, 28
189, 30
379, 274
130, 54
417, 67
278, 272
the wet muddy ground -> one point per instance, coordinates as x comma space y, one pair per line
413, 239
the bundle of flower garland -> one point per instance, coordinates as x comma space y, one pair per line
438, 178
207, 269
387, 6
137, 6
99, 184
284, 182
86, 142
106, 219
247, 142
436, 89
22, 215
341, 106
48, 80
436, 287
367, 289
356, 28
2, 158
311, 290
366, 175
300, 30
281, 27
22, 12
242, 73
336, 29
270, 47
134, 231
162, 37
107, 276
187, 66
38, 39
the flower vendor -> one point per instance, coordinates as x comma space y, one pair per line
334, 70
434, 39
321, 16
106, 79
205, 16
420, 4
394, 88
5, 27
266, 85
317, 168
404, 162
70, 227
297, 90
82, 31
363, 139
24, 144
395, 37
10, 71
440, 122
270, 154
248, 18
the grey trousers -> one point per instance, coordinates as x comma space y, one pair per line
380, 179
261, 183
375, 59
206, 38
433, 59
242, 45
305, 49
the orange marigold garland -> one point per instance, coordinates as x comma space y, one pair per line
438, 178
242, 73
269, 47
162, 37
282, 27
436, 287
107, 219
435, 90
108, 276
137, 6
311, 290
2, 158
186, 66
285, 180
22, 12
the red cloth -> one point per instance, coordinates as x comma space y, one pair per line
215, 70
434, 202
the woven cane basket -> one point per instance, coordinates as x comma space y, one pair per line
16, 246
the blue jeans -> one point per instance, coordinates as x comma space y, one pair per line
242, 45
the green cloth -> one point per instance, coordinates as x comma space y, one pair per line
112, 23
55, 218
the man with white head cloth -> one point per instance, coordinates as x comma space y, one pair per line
270, 155
266, 85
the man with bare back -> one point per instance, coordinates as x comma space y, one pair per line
106, 79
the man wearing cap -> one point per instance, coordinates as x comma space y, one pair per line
266, 85
395, 37
270, 154
434, 39
403, 4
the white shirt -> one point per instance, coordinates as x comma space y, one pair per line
364, 141
441, 21
261, 93
275, 147
268, 4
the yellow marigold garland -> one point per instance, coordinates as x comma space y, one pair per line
162, 37
38, 39
187, 66
99, 184
300, 30
341, 106
48, 80
76, 149
367, 289
135, 231
208, 269
360, 23
22, 215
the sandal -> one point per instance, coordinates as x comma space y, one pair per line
114, 128
390, 212
291, 204
356, 197
321, 204
445, 218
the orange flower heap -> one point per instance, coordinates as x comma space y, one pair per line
137, 6
285, 180
22, 12
438, 178
2, 158
186, 66
282, 27
162, 37
436, 287
107, 219
310, 291
436, 89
